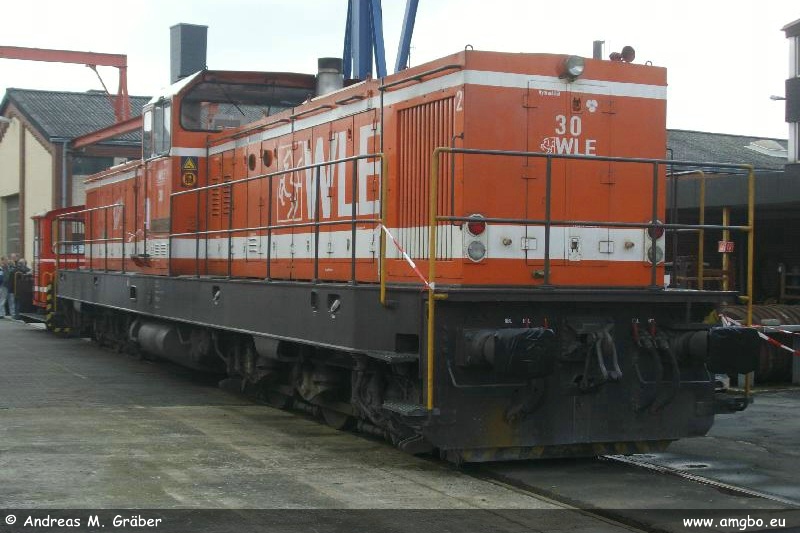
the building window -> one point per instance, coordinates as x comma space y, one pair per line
794, 55
10, 219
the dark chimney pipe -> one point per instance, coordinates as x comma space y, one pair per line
597, 51
187, 50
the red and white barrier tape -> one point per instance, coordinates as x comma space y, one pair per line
727, 321
408, 259
777, 344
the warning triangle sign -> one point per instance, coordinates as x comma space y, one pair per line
190, 164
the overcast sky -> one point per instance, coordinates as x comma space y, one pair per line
724, 58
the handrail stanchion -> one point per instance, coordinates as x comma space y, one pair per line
353, 213
269, 227
384, 221
56, 243
105, 240
123, 237
433, 182
317, 203
652, 233
701, 234
726, 236
169, 236
230, 230
751, 212
547, 217
197, 229
91, 243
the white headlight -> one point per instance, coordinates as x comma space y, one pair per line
573, 67
476, 251
657, 255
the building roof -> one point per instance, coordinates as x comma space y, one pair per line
792, 29
66, 115
763, 154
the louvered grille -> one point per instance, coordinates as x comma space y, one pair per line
422, 129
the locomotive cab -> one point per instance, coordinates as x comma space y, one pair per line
177, 126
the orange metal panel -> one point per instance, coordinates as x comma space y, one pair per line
472, 100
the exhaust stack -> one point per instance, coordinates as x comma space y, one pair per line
329, 75
597, 50
188, 44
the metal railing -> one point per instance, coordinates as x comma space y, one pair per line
269, 228
725, 273
548, 222
88, 222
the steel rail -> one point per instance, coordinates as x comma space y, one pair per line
700, 479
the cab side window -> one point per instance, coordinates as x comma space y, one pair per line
157, 130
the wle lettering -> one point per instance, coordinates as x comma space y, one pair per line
569, 145
299, 189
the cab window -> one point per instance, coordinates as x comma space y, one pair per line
215, 106
157, 130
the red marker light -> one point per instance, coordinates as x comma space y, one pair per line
476, 227
656, 232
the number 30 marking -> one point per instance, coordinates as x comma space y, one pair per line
575, 125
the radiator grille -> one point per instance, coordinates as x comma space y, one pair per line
421, 129
220, 198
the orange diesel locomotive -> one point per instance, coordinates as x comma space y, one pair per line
466, 256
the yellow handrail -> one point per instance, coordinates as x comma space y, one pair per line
701, 235
726, 236
751, 215
434, 178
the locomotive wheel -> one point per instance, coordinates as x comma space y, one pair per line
336, 420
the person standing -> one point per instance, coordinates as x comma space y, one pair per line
9, 275
21, 270
3, 289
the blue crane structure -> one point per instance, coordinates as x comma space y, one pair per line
363, 39
404, 49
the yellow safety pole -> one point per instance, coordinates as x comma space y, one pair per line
726, 235
432, 272
751, 215
701, 233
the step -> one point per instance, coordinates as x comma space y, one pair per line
406, 409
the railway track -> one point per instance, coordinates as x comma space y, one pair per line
617, 468
611, 519
642, 462
603, 467
635, 493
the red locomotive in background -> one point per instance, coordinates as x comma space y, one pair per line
465, 256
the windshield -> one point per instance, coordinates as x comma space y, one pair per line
213, 106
